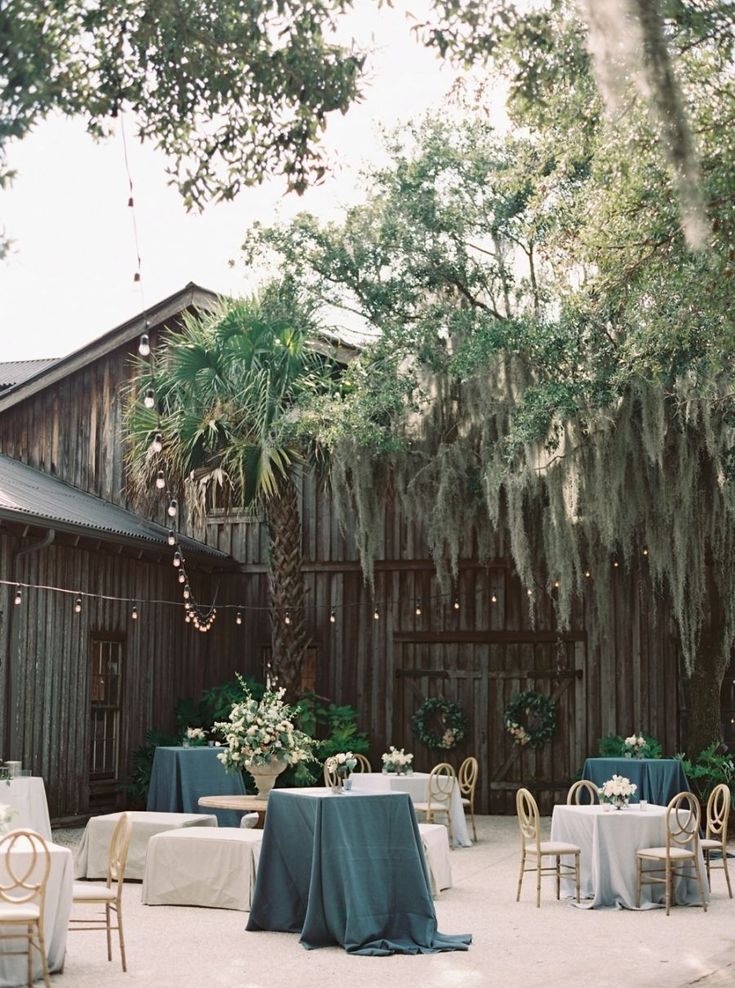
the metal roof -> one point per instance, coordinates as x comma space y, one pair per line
32, 497
12, 372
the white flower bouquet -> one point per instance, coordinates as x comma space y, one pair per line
635, 746
261, 732
195, 737
397, 760
343, 763
617, 791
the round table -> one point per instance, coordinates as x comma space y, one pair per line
241, 804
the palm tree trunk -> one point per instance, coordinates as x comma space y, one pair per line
286, 583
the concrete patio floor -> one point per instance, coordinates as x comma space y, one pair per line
513, 943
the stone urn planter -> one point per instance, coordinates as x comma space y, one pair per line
265, 775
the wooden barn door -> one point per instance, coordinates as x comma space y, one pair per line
482, 676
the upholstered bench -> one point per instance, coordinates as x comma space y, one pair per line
91, 857
202, 867
435, 839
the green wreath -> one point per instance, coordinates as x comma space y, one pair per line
530, 718
439, 723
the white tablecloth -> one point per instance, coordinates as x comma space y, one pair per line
436, 844
92, 855
609, 840
27, 796
417, 786
202, 866
55, 918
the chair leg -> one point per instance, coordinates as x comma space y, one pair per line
118, 910
638, 873
668, 885
706, 864
520, 877
108, 924
700, 884
558, 877
474, 828
576, 873
44, 959
539, 862
30, 955
727, 873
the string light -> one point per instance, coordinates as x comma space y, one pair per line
150, 398
418, 610
238, 618
157, 444
144, 344
171, 537
177, 558
455, 605
332, 617
587, 574
556, 584
182, 576
78, 604
173, 507
287, 618
187, 591
529, 592
160, 480
134, 613
645, 550
376, 614
493, 598
18, 596
616, 563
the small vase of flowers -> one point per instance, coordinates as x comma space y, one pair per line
635, 746
617, 791
342, 765
397, 760
194, 737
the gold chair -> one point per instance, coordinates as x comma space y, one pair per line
532, 846
682, 846
718, 812
363, 765
582, 786
467, 778
442, 780
110, 894
23, 895
330, 778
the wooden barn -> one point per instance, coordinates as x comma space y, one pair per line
81, 687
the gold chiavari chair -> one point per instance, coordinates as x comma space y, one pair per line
681, 848
27, 863
467, 779
534, 848
715, 839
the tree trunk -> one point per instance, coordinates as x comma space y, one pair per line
705, 684
286, 583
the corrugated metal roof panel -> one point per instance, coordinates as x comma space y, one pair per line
12, 372
34, 496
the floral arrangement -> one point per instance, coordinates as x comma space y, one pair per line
530, 718
636, 746
397, 760
343, 763
439, 723
617, 791
6, 814
195, 736
258, 733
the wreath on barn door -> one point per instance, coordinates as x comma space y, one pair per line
530, 718
439, 723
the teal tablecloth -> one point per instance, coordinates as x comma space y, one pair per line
347, 869
181, 775
658, 779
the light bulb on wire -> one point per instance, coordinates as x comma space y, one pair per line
18, 596
144, 345
182, 576
376, 614
150, 398
134, 612
157, 443
177, 558
287, 618
171, 539
455, 605
78, 605
332, 617
238, 618
493, 598
160, 480
173, 507
417, 610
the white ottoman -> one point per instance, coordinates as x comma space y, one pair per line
91, 857
436, 846
202, 867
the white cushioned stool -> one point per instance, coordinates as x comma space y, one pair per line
435, 838
202, 867
91, 857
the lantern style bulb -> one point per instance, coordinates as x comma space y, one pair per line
332, 617
18, 596
238, 618
556, 584
456, 604
187, 591
418, 610
171, 537
177, 558
529, 592
376, 614
173, 507
144, 345
187, 618
587, 574
134, 613
160, 480
78, 605
150, 398
616, 563
287, 619
493, 598
645, 550
182, 576
157, 444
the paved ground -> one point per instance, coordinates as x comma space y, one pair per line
514, 944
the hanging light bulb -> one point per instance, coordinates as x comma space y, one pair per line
77, 605
332, 617
493, 598
455, 605
182, 576
150, 398
18, 596
171, 537
287, 618
187, 591
134, 612
173, 507
238, 618
160, 480
157, 444
187, 618
616, 563
376, 614
418, 610
644, 550
556, 584
187, 605
587, 574
529, 592
177, 558
144, 345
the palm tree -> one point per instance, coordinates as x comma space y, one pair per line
228, 390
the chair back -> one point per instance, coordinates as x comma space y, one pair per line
718, 813
441, 785
330, 778
27, 863
467, 776
574, 796
118, 854
528, 818
363, 765
682, 821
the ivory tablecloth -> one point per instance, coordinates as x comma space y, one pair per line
347, 869
93, 853
609, 840
27, 796
55, 918
417, 787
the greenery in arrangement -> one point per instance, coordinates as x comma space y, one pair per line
555, 359
530, 718
439, 724
708, 770
614, 746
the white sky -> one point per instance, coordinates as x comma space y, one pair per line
70, 277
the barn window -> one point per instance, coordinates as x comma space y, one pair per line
106, 694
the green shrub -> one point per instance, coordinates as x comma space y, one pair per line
613, 746
140, 776
708, 770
